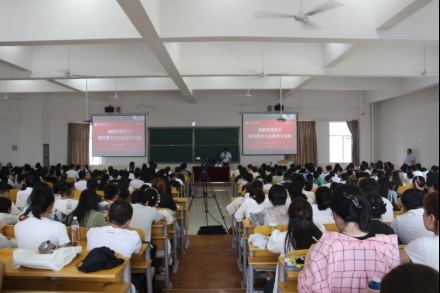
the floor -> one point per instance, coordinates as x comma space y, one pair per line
209, 264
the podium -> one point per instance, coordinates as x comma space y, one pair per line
216, 174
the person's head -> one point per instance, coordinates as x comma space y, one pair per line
31, 180
409, 151
322, 197
139, 196
87, 201
420, 181
295, 190
82, 175
153, 196
431, 216
368, 185
257, 184
301, 229
5, 205
225, 150
120, 213
432, 181
92, 183
258, 195
278, 195
124, 192
111, 192
378, 207
409, 278
41, 200
4, 189
412, 199
66, 189
159, 184
350, 206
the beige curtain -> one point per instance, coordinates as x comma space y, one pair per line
78, 143
307, 148
353, 126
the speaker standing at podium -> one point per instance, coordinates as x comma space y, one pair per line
226, 157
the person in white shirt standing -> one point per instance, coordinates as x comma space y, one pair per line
226, 158
410, 158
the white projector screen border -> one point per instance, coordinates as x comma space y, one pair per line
273, 137
122, 141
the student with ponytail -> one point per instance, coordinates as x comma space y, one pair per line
345, 261
35, 227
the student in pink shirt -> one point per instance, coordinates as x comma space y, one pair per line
345, 261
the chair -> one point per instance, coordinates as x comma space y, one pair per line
267, 230
71, 179
50, 184
77, 194
403, 188
397, 213
100, 192
331, 227
8, 231
142, 264
13, 194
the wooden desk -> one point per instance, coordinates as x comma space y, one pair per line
262, 262
70, 272
216, 174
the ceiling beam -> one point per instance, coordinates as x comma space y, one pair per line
333, 54
137, 14
64, 85
391, 13
306, 80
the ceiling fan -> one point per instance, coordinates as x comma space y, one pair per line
5, 97
301, 16
87, 118
263, 73
68, 73
424, 71
281, 118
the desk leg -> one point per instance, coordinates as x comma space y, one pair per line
149, 278
166, 265
250, 288
244, 260
175, 260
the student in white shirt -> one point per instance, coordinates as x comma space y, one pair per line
66, 204
116, 236
37, 227
4, 192
5, 212
81, 184
255, 204
321, 212
425, 250
410, 225
136, 183
23, 195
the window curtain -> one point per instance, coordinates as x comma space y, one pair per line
78, 143
353, 126
307, 148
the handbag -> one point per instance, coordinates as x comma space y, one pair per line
53, 258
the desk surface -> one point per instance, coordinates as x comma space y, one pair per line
69, 271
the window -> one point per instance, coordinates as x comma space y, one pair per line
94, 161
340, 143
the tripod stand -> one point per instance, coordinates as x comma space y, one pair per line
206, 184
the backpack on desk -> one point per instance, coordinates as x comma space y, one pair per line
99, 258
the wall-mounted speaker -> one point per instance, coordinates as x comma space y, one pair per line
109, 109
278, 107
269, 108
118, 109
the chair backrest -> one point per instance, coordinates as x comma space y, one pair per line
140, 232
267, 230
100, 192
8, 231
13, 194
331, 227
82, 233
402, 189
70, 179
50, 184
397, 213
76, 194
298, 253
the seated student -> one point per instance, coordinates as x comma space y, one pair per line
116, 236
5, 212
432, 181
4, 192
81, 184
144, 215
166, 199
125, 190
34, 226
410, 278
368, 185
409, 226
87, 211
322, 214
332, 262
278, 212
269, 182
4, 241
378, 208
66, 204
425, 250
175, 182
256, 203
136, 183
301, 234
22, 195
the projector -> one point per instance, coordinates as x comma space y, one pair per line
281, 119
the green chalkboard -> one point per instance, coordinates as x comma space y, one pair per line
171, 136
175, 145
217, 136
171, 154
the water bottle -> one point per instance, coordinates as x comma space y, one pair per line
75, 230
374, 285
68, 207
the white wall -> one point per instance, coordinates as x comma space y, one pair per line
410, 121
39, 119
